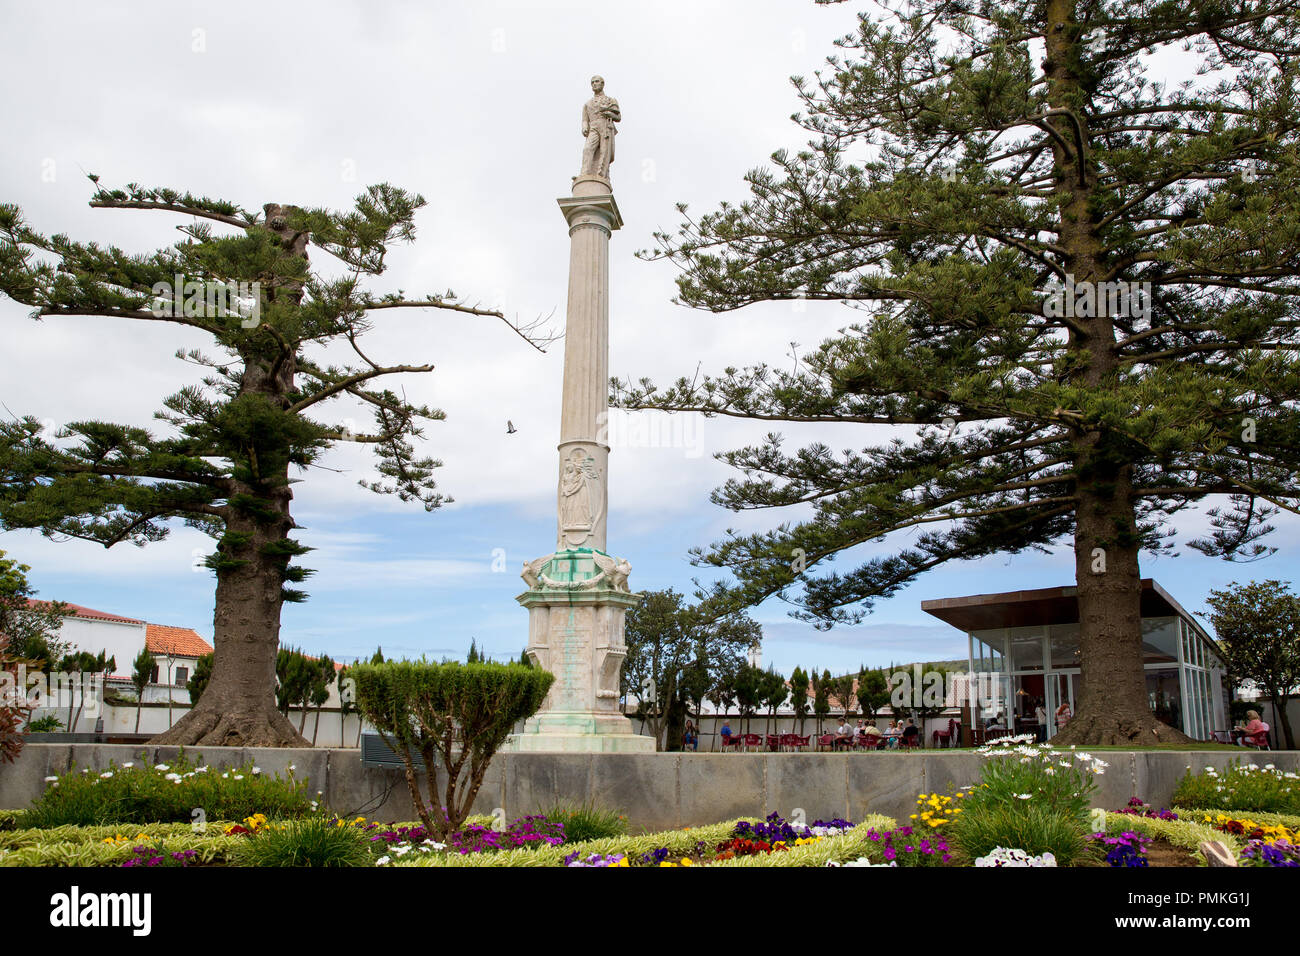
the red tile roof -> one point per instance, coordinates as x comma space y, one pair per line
181, 641
76, 610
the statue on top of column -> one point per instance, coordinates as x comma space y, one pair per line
599, 114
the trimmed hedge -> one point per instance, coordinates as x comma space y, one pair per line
1186, 834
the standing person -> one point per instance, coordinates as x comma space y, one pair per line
1040, 718
690, 738
1063, 714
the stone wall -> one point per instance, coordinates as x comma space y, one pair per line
656, 791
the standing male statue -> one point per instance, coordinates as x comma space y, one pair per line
599, 114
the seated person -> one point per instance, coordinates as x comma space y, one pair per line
911, 732
843, 733
725, 731
1256, 730
690, 738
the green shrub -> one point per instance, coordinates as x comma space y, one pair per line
45, 725
1034, 828
1031, 798
12, 819
136, 792
454, 715
1243, 786
310, 841
586, 821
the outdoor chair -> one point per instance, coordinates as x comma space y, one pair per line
801, 742
826, 740
1221, 736
869, 742
753, 741
946, 736
1259, 741
731, 741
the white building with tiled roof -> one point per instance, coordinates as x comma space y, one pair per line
176, 649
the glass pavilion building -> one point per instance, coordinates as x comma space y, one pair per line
1024, 649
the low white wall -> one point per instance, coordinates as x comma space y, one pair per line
154, 719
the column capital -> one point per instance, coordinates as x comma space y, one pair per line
596, 210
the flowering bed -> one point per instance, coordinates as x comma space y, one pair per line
1243, 786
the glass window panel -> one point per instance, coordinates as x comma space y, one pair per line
1160, 640
1163, 695
1027, 653
1064, 645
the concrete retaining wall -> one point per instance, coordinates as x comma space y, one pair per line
657, 791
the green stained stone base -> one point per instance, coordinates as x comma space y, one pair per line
578, 732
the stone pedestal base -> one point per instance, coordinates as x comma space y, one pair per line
557, 732
576, 602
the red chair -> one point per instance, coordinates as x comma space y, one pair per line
826, 740
801, 742
1258, 741
773, 742
730, 741
911, 741
753, 740
946, 736
869, 742
789, 741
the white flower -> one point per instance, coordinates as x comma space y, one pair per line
239, 776
382, 861
1024, 796
51, 779
256, 771
173, 777
162, 766
106, 775
128, 765
225, 776
292, 768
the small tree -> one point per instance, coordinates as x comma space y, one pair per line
842, 688
320, 690
198, 681
749, 692
873, 691
666, 638
141, 675
774, 693
799, 695
1258, 626
821, 697
30, 627
455, 717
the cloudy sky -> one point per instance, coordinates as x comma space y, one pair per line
476, 107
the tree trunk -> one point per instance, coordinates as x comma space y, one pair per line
1113, 705
139, 704
237, 708
1285, 738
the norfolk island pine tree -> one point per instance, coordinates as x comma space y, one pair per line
953, 189
225, 466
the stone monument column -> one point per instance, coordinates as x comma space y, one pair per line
578, 595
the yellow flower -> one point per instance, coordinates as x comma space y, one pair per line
686, 861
